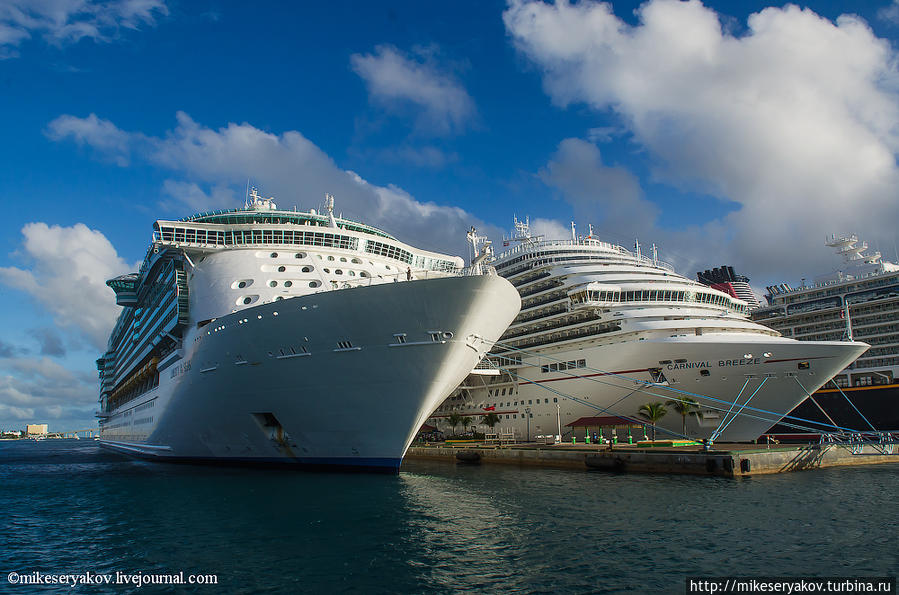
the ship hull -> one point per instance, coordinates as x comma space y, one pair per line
877, 405
335, 379
713, 369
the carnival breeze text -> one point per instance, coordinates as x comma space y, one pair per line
134, 579
722, 363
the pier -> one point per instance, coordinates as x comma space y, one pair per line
725, 460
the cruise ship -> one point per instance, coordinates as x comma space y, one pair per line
604, 330
858, 301
259, 335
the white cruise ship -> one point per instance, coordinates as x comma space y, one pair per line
262, 335
604, 330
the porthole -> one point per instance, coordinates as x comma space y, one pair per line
327, 270
288, 284
357, 261
314, 284
282, 269
352, 273
338, 272
272, 283
274, 255
330, 258
319, 256
241, 283
342, 259
248, 300
363, 274
448, 335
278, 298
307, 269
300, 255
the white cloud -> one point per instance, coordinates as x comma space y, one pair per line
610, 197
70, 266
397, 81
797, 120
42, 391
67, 21
288, 166
102, 135
890, 13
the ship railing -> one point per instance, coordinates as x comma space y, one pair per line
880, 442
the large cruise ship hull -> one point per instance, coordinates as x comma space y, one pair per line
852, 408
757, 381
340, 378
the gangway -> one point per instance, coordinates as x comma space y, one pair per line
881, 442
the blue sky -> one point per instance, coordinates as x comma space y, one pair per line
727, 133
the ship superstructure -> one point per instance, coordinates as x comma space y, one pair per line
265, 335
604, 330
858, 301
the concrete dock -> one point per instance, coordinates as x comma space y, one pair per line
726, 460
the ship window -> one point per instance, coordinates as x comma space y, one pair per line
330, 258
300, 255
544, 369
581, 363
327, 270
356, 261
555, 399
546, 400
288, 283
247, 300
342, 259
314, 284
272, 283
705, 373
279, 298
803, 365
282, 269
363, 274
242, 284
274, 255
338, 272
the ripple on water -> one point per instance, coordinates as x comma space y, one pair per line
436, 527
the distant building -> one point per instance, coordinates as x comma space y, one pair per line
724, 279
36, 430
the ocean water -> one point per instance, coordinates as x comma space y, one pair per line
70, 507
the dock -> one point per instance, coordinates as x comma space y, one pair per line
724, 460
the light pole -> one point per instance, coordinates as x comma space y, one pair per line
559, 419
527, 412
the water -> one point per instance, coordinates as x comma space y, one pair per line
68, 506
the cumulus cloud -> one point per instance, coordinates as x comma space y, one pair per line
101, 135
608, 196
289, 166
67, 21
69, 268
397, 81
43, 391
797, 120
49, 340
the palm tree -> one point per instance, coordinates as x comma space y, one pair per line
686, 406
465, 421
653, 412
454, 420
490, 420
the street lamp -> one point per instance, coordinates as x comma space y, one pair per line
527, 412
559, 419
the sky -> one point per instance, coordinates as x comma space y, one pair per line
725, 133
